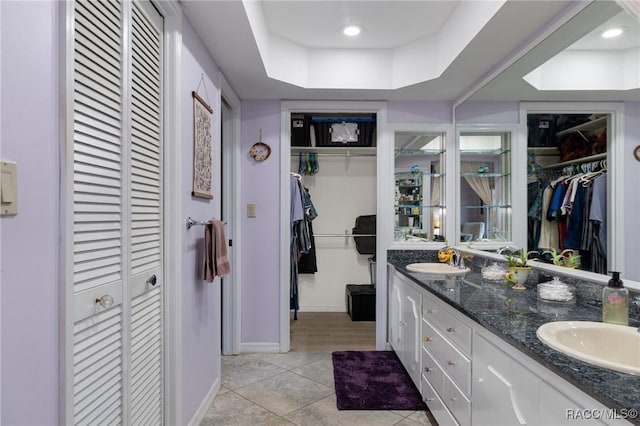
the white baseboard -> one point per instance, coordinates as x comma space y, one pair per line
204, 405
273, 347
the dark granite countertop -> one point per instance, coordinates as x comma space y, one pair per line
514, 316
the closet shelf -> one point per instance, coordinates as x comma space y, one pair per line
596, 124
484, 206
347, 151
496, 151
577, 161
485, 174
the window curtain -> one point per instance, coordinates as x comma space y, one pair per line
479, 184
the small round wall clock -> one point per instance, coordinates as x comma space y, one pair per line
260, 151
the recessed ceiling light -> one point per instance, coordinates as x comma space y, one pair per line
351, 30
612, 32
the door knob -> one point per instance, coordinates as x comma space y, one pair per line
105, 301
152, 280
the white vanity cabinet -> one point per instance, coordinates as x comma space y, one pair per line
446, 362
405, 304
510, 389
469, 376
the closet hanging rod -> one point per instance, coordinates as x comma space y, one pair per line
191, 222
344, 235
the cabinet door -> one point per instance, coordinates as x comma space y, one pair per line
504, 391
410, 333
395, 303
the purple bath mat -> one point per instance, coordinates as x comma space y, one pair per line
373, 380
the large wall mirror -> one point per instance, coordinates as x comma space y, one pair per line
575, 98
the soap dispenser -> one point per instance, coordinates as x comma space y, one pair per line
615, 301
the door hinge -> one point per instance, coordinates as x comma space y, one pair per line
230, 243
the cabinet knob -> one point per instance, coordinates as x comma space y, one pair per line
402, 323
152, 280
453, 398
429, 399
428, 311
451, 363
426, 339
427, 369
451, 329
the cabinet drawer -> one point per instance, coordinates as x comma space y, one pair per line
436, 406
432, 372
451, 327
457, 402
452, 361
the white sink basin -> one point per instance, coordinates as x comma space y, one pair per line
436, 269
612, 346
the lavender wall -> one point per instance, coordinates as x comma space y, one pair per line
261, 235
419, 112
632, 195
473, 112
201, 347
29, 264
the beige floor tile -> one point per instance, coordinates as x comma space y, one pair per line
291, 360
242, 370
325, 412
280, 421
284, 393
232, 409
320, 371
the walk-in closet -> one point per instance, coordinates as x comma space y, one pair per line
567, 187
333, 206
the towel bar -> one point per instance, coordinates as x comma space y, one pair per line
191, 222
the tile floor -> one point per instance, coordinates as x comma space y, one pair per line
294, 388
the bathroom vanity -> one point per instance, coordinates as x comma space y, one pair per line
471, 348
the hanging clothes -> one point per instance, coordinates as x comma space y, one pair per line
297, 215
302, 242
573, 212
307, 263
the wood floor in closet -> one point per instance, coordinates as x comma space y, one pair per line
331, 331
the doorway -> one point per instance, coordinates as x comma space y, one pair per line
337, 190
230, 182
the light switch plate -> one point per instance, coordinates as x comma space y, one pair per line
8, 188
251, 210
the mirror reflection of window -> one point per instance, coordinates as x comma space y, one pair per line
419, 187
485, 186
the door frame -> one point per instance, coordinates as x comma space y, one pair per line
384, 207
172, 231
232, 286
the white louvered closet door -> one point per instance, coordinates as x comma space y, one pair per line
117, 214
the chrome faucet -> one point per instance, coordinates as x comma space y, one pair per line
456, 258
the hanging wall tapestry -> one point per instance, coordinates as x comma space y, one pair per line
202, 119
